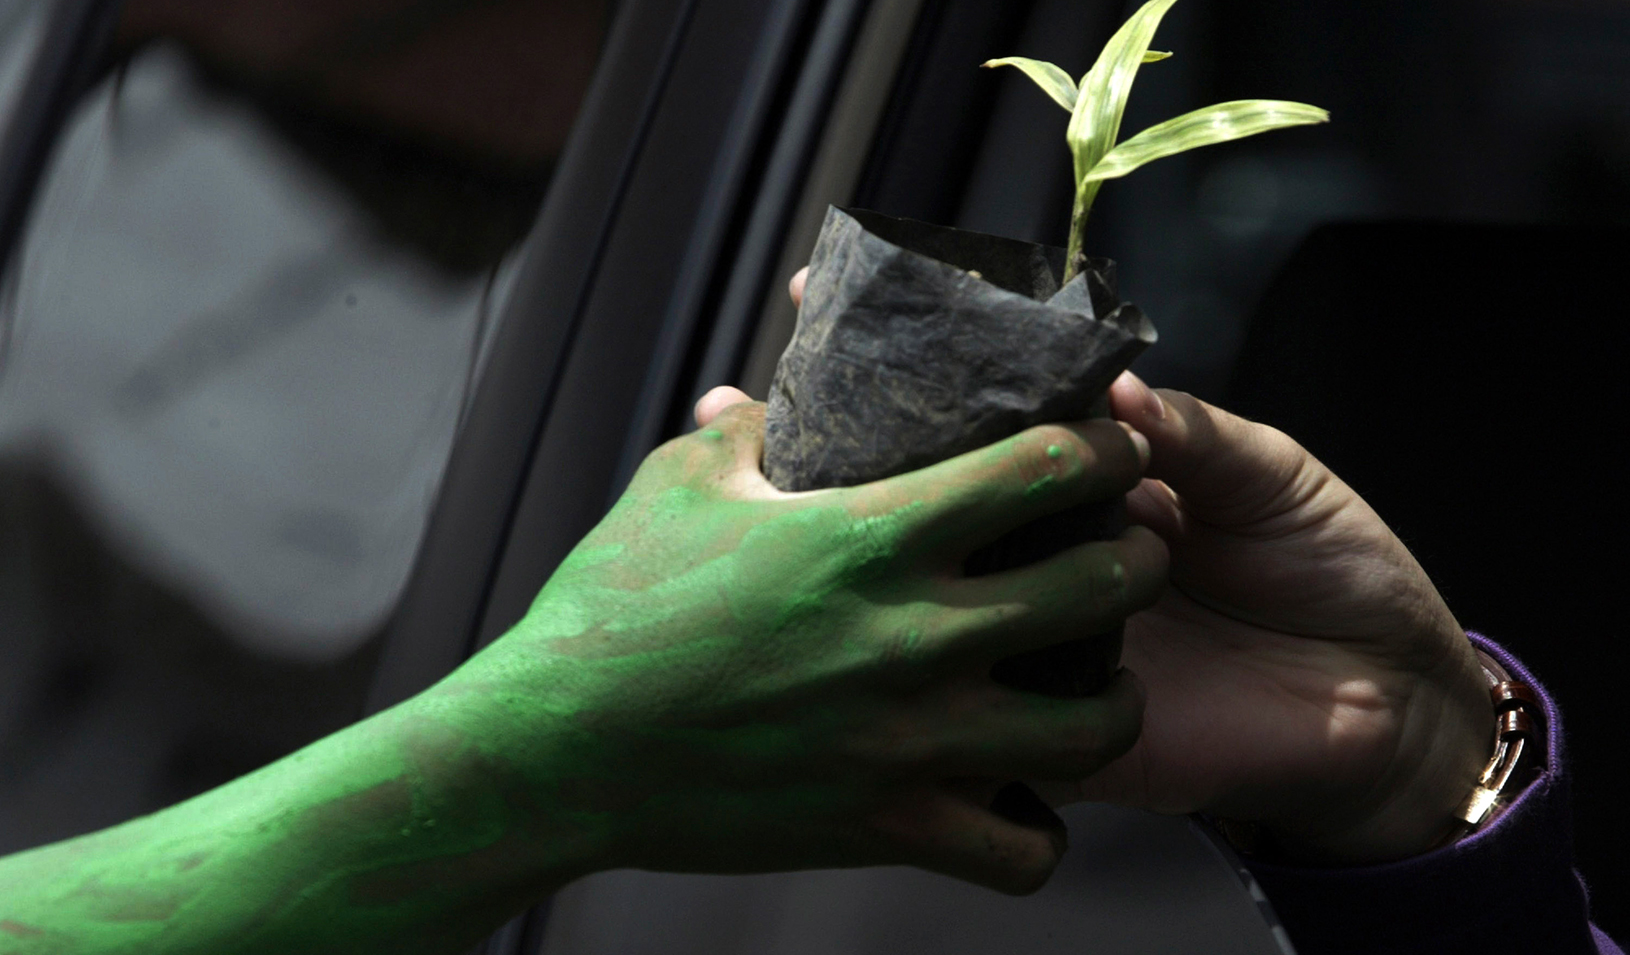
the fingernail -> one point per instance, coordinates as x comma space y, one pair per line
1139, 442
1151, 401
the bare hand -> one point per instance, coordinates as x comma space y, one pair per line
1303, 672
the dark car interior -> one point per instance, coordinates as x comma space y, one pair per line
328, 328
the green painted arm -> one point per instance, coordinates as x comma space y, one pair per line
720, 678
398, 834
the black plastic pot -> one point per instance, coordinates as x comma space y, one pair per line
917, 343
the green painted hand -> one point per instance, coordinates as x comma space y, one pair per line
722, 677
725, 677
1302, 672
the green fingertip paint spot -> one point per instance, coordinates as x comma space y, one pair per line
713, 434
1055, 452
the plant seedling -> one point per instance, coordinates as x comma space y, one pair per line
1097, 105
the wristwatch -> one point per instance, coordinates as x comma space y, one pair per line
1518, 740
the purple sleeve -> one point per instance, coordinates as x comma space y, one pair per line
1510, 887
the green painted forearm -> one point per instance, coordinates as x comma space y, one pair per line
721, 678
400, 834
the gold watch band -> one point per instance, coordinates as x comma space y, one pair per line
1518, 725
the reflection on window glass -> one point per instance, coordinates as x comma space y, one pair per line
239, 336
21, 23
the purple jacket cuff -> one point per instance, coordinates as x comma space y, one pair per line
1507, 888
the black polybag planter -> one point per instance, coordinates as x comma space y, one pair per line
916, 343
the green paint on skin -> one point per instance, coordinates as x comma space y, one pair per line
1055, 452
906, 652
755, 596
418, 830
1040, 487
787, 566
587, 558
713, 434
334, 848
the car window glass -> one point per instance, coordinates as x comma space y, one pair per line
21, 24
239, 335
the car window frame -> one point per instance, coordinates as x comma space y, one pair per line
72, 53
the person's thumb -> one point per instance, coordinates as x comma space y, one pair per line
795, 288
714, 402
1224, 469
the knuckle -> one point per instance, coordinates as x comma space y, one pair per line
1108, 584
743, 416
660, 466
699, 458
904, 652
871, 544
670, 450
1051, 453
692, 460
1184, 404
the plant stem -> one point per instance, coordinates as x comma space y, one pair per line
1075, 259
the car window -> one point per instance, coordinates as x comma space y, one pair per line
240, 334
20, 26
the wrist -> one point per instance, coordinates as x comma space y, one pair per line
413, 830
521, 771
1410, 808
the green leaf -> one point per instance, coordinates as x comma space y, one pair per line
1096, 120
1050, 78
1204, 127
1155, 56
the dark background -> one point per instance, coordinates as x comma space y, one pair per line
1428, 292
